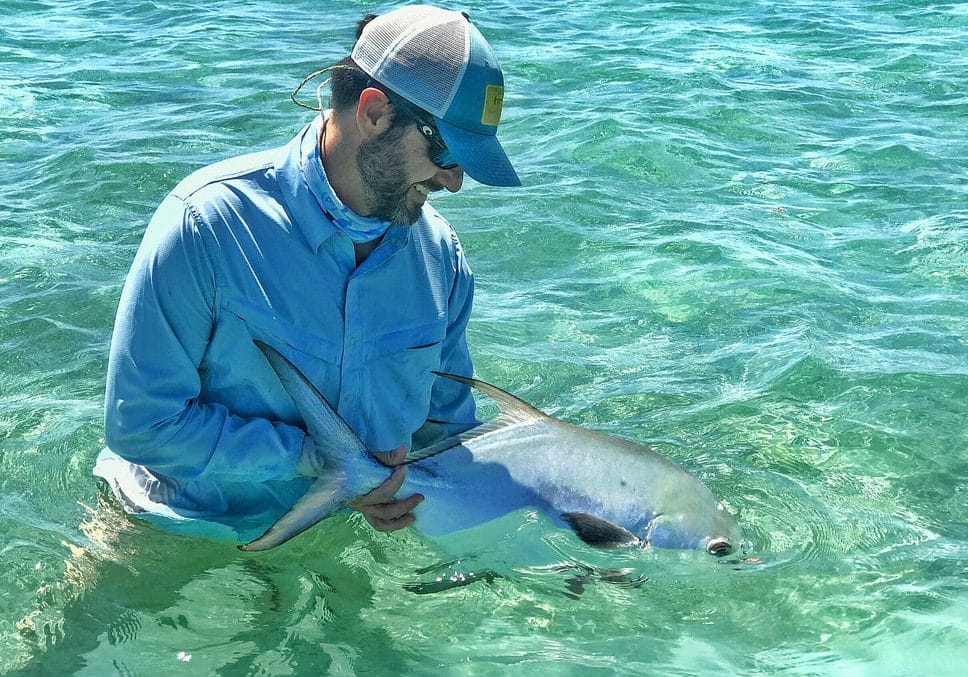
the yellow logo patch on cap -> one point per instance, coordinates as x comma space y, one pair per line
493, 102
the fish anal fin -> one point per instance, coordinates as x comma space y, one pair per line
465, 437
600, 532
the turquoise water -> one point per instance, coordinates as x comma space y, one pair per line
743, 239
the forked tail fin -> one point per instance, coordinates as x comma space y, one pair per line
327, 495
324, 425
342, 450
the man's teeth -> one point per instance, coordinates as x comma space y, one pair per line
422, 189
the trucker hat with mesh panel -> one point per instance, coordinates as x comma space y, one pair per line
439, 61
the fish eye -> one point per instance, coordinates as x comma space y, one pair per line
719, 547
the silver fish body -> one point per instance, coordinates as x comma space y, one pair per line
563, 469
610, 491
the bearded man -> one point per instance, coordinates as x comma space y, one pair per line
327, 250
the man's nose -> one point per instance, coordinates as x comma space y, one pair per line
451, 179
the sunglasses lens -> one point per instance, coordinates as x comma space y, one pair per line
440, 154
445, 159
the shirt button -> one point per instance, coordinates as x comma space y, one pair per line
348, 398
353, 340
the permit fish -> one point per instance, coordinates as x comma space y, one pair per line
610, 491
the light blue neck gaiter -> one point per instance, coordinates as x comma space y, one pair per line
357, 228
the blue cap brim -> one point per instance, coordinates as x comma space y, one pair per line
479, 155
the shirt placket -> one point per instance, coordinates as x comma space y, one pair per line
351, 367
362, 304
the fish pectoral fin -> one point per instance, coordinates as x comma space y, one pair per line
600, 532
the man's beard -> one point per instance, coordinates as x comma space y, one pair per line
381, 161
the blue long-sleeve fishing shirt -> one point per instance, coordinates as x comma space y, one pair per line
197, 424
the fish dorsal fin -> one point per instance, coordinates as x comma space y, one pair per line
512, 407
461, 438
513, 411
326, 427
600, 532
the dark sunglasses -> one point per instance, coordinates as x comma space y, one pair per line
440, 154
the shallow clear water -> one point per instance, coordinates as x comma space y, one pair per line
743, 239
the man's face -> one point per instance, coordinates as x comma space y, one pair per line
398, 175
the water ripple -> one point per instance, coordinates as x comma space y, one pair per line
741, 239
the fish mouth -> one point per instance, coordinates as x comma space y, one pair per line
719, 547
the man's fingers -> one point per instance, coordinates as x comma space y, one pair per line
392, 510
378, 506
390, 516
383, 493
390, 486
393, 458
391, 525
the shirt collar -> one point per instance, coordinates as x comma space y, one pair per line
293, 181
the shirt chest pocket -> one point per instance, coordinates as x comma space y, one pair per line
397, 382
263, 324
237, 374
424, 340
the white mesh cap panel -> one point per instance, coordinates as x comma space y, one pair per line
417, 55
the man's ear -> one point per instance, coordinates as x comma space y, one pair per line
374, 113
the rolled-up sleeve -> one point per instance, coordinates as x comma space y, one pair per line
153, 413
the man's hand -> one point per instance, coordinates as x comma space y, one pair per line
378, 507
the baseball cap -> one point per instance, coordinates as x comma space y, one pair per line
437, 60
